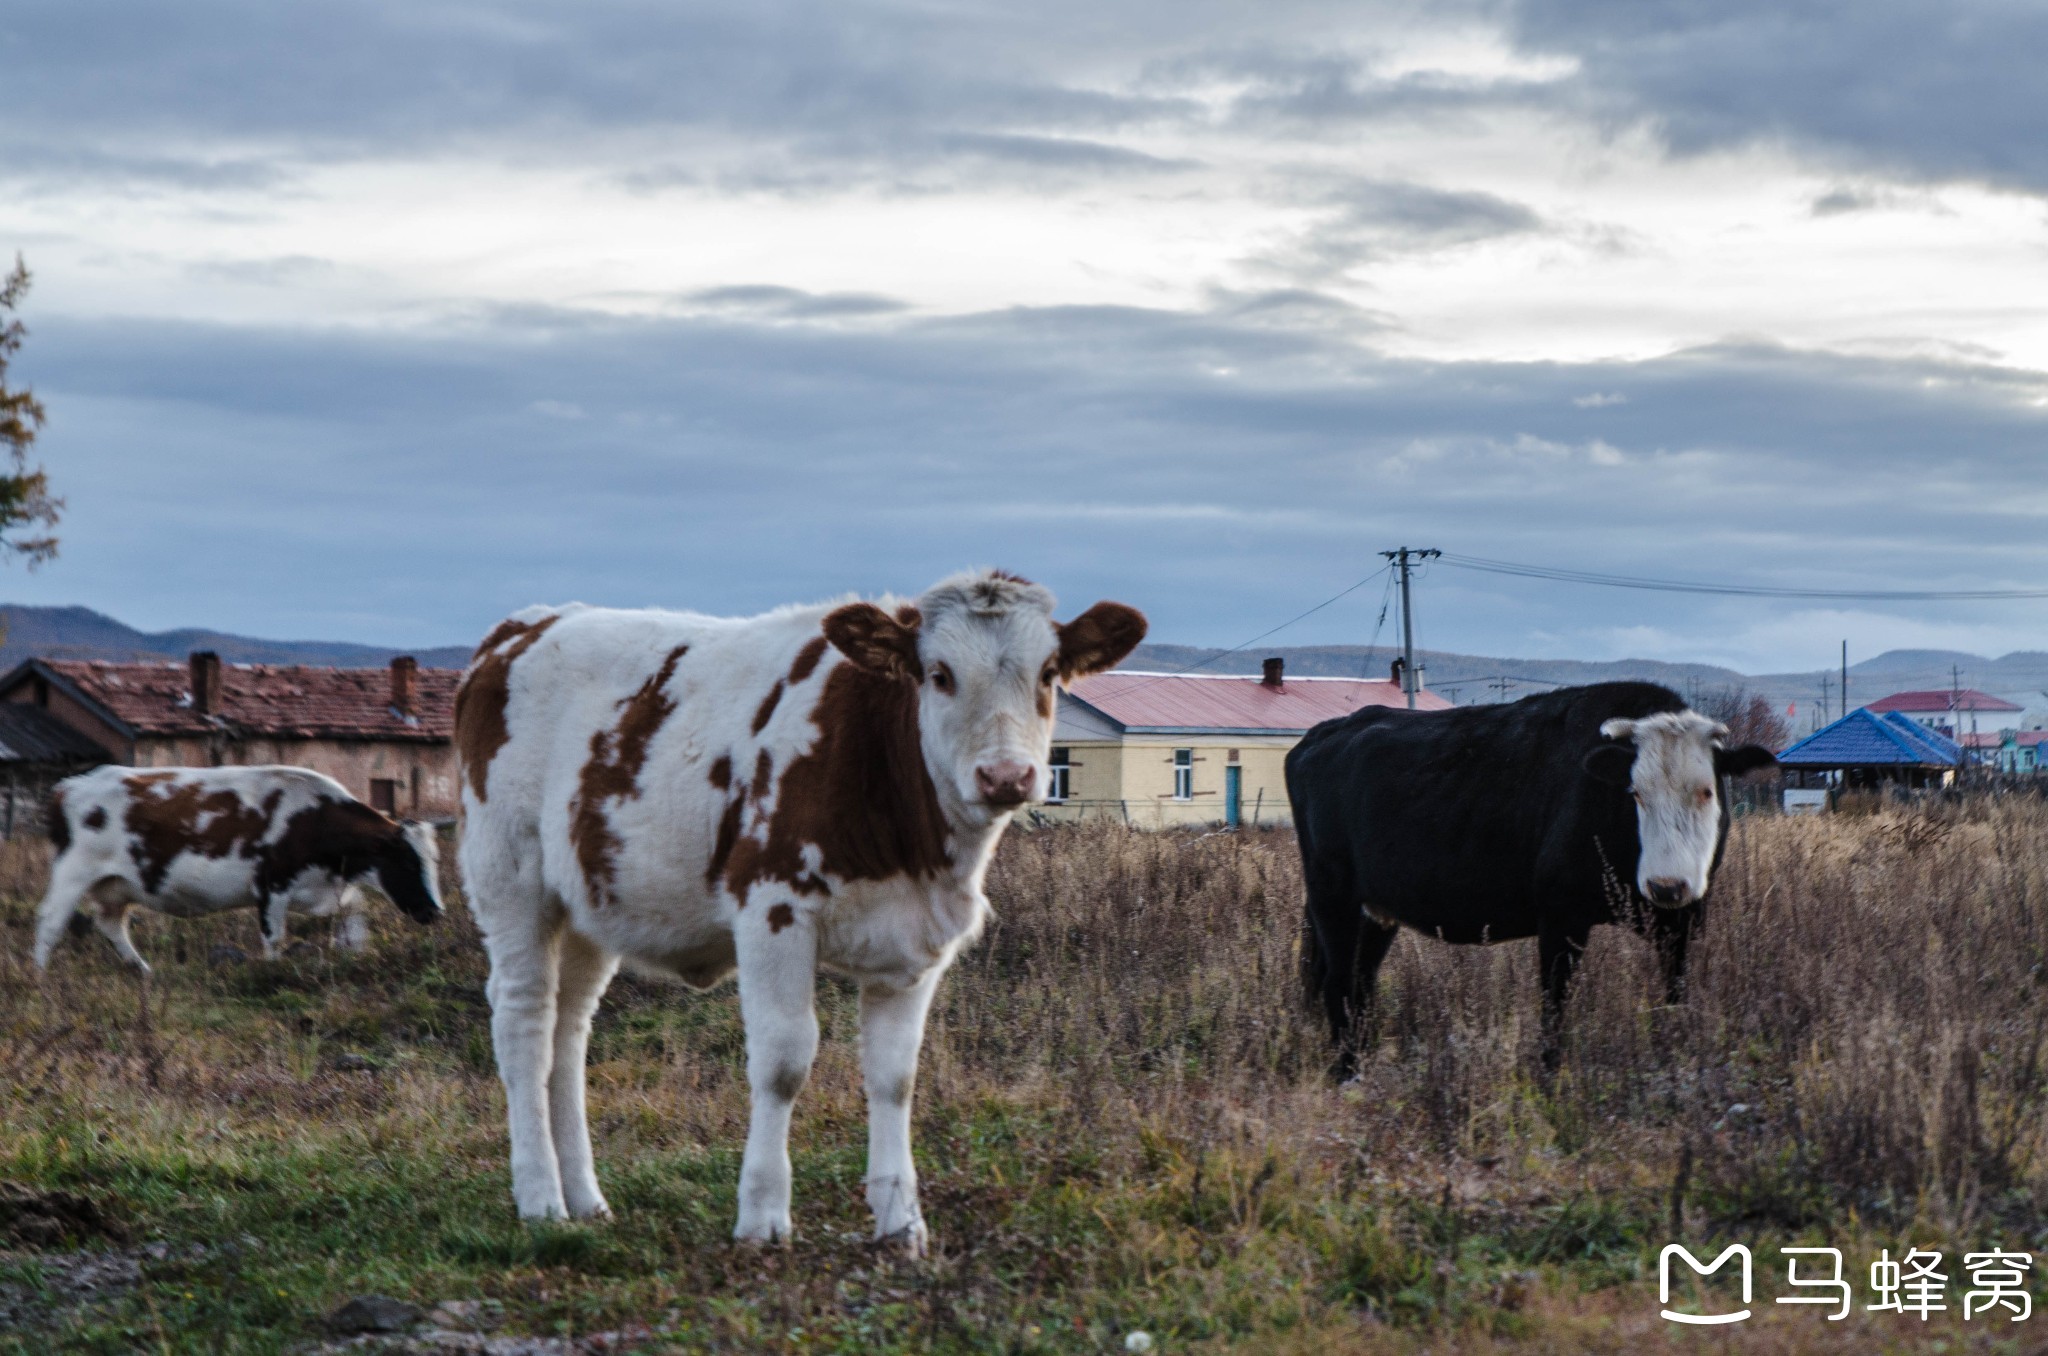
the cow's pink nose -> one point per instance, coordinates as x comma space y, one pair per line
1005, 784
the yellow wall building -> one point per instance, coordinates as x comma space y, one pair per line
1162, 749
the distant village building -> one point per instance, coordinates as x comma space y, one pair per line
1159, 749
385, 734
1953, 711
37, 750
1867, 749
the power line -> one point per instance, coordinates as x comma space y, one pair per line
1620, 581
1225, 654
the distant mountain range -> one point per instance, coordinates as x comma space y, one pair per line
81, 633
2022, 677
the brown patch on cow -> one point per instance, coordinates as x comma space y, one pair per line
613, 773
728, 835
767, 708
480, 702
764, 775
54, 821
875, 641
721, 772
1013, 578
348, 840
1045, 701
780, 917
164, 820
807, 659
95, 818
861, 797
1098, 638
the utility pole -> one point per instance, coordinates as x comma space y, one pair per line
1955, 717
1401, 556
1845, 677
1824, 685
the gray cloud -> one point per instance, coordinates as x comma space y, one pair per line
1931, 92
768, 300
719, 462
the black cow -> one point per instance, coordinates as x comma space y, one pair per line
1537, 818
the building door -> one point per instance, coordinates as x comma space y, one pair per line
1233, 795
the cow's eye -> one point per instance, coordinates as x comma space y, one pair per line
1051, 672
1706, 794
942, 679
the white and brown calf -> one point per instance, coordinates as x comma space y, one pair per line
192, 841
818, 787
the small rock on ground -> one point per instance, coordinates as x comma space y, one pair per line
374, 1313
226, 955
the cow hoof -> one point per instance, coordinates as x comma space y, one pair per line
913, 1240
598, 1210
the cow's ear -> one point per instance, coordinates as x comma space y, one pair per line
1748, 758
1098, 638
1612, 762
876, 641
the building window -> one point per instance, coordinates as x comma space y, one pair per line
1059, 765
1183, 774
384, 795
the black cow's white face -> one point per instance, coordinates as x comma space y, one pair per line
1672, 764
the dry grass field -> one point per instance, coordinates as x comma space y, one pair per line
1123, 1125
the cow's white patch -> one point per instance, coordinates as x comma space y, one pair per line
1678, 802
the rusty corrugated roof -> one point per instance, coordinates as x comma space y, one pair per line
1155, 702
268, 700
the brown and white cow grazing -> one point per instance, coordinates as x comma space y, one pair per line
815, 787
195, 840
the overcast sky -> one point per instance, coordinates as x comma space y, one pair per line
375, 321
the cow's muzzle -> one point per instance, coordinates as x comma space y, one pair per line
1005, 786
1668, 892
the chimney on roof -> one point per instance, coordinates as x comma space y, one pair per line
1394, 673
1273, 669
205, 683
405, 673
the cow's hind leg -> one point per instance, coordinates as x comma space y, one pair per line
891, 1036
778, 977
111, 903
585, 970
60, 905
1338, 928
523, 941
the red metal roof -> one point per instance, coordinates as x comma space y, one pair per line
1942, 699
268, 700
1189, 701
1986, 739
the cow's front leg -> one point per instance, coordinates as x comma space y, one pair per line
1558, 949
778, 975
270, 915
891, 1035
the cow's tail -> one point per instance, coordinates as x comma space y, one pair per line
57, 821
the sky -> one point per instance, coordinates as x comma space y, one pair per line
375, 321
